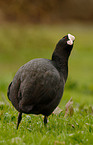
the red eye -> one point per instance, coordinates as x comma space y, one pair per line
66, 37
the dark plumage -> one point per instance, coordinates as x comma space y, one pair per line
38, 86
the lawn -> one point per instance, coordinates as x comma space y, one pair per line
18, 45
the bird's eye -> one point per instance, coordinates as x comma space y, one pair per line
66, 37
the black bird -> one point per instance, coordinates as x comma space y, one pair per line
38, 86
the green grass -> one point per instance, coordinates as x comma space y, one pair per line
19, 44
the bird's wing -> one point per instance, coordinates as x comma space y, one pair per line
41, 89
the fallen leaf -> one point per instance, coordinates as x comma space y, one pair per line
57, 111
69, 110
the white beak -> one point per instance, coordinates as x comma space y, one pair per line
71, 39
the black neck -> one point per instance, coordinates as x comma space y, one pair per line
60, 57
61, 64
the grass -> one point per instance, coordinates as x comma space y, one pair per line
19, 44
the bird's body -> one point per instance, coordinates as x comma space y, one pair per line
38, 86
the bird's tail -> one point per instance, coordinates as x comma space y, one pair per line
8, 91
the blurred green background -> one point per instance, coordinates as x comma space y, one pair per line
19, 44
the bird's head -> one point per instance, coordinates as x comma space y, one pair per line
64, 46
66, 42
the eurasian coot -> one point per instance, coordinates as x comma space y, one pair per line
38, 86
